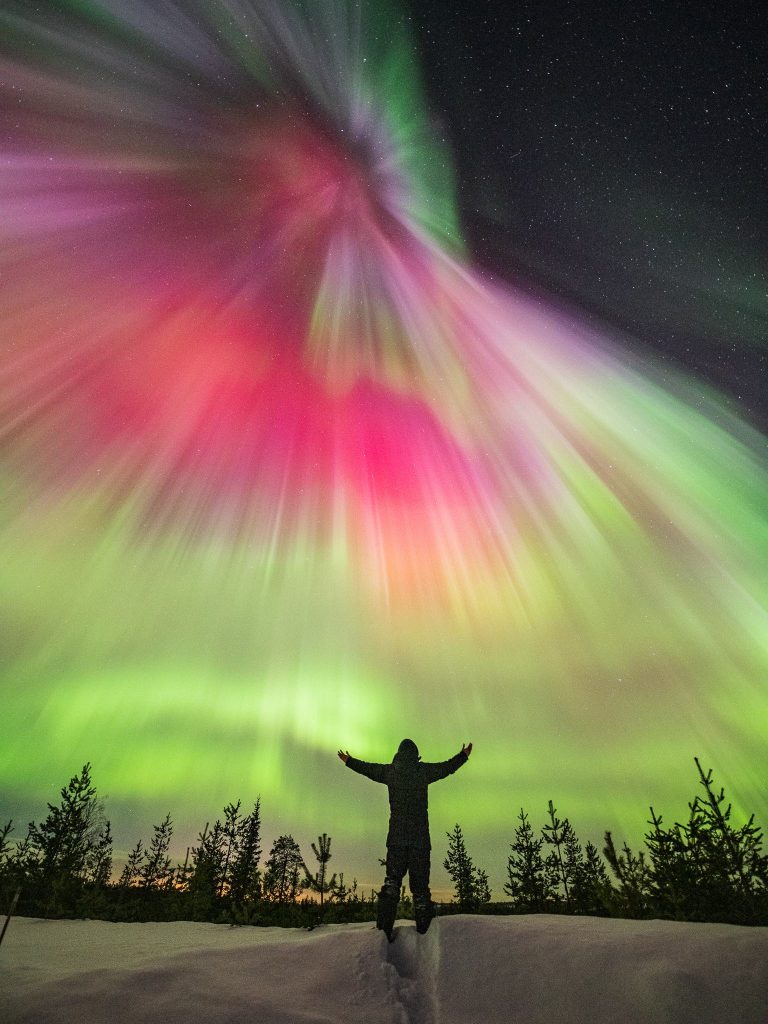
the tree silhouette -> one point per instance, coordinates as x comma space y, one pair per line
559, 835
132, 871
155, 871
634, 877
72, 847
282, 877
470, 883
528, 880
244, 876
319, 882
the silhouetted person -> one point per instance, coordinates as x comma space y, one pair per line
408, 845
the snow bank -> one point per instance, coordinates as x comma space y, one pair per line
466, 970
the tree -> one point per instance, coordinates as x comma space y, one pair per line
282, 877
733, 857
155, 872
132, 870
230, 835
560, 836
244, 877
341, 893
471, 884
5, 831
529, 882
72, 846
11, 872
592, 890
633, 875
704, 868
319, 882
207, 869
100, 857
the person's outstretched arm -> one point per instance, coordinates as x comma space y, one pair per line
442, 769
367, 768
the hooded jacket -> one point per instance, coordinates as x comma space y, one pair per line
407, 779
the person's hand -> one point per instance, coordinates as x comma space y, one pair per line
467, 749
344, 755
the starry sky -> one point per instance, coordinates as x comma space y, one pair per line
370, 371
614, 156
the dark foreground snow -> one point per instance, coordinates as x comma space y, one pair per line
467, 970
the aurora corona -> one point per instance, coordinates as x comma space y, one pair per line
281, 472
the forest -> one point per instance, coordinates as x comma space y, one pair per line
704, 868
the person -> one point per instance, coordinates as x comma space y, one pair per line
408, 845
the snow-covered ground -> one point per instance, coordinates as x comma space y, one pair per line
466, 970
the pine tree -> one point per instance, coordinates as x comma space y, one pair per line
673, 869
99, 861
633, 875
319, 882
732, 856
282, 877
529, 882
5, 831
8, 872
244, 877
482, 890
471, 884
72, 843
352, 896
155, 872
340, 893
131, 873
182, 874
558, 834
230, 840
592, 890
704, 868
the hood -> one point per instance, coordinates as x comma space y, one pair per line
407, 753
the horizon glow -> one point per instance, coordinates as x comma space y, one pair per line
282, 473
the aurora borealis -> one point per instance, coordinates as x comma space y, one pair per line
282, 472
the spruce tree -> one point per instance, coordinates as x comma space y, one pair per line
704, 868
131, 873
207, 869
5, 831
70, 845
8, 874
529, 882
230, 842
732, 856
244, 876
558, 834
674, 873
99, 863
633, 875
470, 883
155, 872
592, 890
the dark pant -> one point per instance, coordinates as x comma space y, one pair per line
414, 860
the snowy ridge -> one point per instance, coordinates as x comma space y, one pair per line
467, 970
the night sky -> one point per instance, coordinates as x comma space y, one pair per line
370, 372
614, 155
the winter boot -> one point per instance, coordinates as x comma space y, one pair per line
424, 911
386, 910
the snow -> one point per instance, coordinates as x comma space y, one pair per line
466, 970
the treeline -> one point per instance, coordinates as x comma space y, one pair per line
703, 869
63, 868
